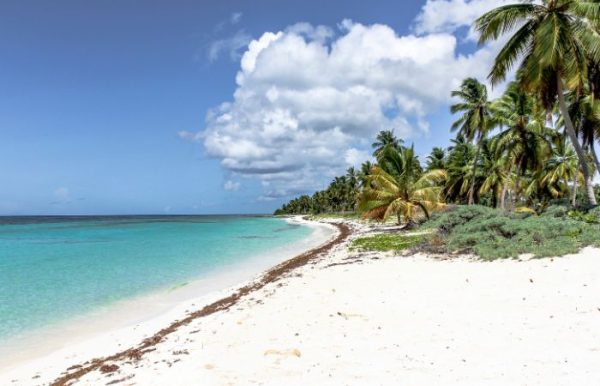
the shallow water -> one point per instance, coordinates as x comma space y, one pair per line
53, 269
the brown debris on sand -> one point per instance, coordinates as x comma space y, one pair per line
271, 276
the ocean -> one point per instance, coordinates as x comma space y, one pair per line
56, 268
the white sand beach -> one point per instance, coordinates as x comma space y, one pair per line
355, 318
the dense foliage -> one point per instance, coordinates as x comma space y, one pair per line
491, 233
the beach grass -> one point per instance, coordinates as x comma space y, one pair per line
386, 242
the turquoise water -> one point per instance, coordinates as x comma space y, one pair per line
52, 269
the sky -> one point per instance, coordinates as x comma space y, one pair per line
198, 107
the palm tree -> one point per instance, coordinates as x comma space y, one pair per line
365, 170
401, 190
522, 136
386, 138
437, 159
496, 173
553, 43
458, 165
585, 114
474, 122
559, 169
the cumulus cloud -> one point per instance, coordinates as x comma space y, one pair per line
231, 185
449, 15
309, 100
355, 157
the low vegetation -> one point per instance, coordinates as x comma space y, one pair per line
386, 242
492, 234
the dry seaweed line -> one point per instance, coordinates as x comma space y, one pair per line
147, 345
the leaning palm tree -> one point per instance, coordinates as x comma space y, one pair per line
553, 42
474, 122
402, 192
585, 114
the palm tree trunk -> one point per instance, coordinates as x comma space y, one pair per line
587, 181
505, 188
517, 184
574, 192
472, 188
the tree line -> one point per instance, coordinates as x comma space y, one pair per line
532, 145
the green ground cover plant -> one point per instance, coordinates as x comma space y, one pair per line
493, 234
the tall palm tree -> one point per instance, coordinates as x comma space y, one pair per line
522, 136
496, 172
386, 138
458, 165
403, 191
553, 42
474, 122
585, 114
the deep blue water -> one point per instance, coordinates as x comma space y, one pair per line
54, 268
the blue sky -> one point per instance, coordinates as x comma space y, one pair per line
112, 107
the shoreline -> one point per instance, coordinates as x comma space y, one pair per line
160, 305
141, 314
336, 316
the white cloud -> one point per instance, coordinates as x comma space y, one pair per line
188, 135
231, 45
308, 103
355, 157
235, 17
449, 15
231, 185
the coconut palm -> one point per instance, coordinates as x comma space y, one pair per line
585, 114
553, 43
559, 169
522, 136
458, 166
365, 170
474, 122
401, 190
437, 159
386, 138
496, 172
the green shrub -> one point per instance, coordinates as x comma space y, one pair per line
556, 211
386, 242
493, 234
456, 216
588, 217
595, 213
